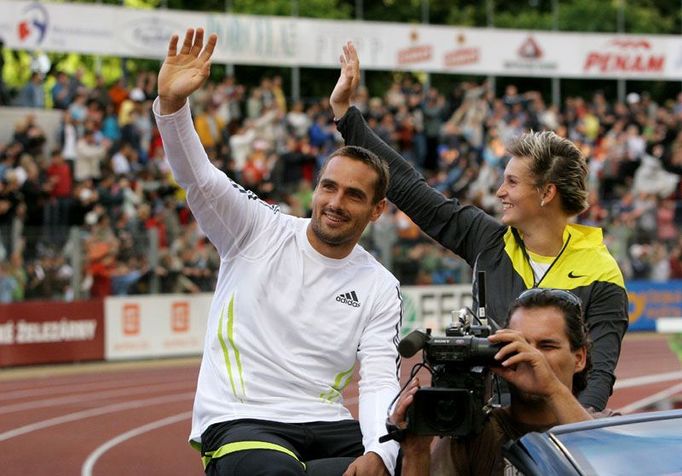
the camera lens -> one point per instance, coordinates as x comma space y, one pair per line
444, 411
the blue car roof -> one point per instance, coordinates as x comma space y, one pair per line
652, 442
616, 420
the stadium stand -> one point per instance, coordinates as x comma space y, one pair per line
100, 214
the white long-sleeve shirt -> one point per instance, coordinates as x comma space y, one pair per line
286, 323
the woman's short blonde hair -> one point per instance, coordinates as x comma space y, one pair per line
555, 160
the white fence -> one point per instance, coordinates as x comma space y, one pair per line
286, 41
174, 325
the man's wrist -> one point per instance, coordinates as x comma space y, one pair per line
377, 459
170, 105
558, 397
557, 391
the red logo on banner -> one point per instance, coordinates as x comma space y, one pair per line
530, 49
131, 319
530, 57
34, 24
625, 56
627, 43
462, 55
180, 317
416, 53
23, 30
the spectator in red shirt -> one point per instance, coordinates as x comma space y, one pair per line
60, 187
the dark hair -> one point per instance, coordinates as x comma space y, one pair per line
369, 158
555, 160
571, 307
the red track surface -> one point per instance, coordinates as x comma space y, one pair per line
133, 419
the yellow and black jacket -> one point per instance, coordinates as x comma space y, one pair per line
584, 266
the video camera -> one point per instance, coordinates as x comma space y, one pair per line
459, 399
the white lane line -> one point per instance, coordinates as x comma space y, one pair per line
651, 399
40, 425
45, 388
90, 396
647, 379
92, 458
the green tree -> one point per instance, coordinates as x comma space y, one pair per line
640, 16
332, 9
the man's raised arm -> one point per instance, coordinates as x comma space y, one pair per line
226, 212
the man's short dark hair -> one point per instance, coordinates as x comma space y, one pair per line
571, 307
372, 160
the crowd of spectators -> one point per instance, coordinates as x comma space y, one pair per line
109, 180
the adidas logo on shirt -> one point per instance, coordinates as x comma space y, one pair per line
349, 298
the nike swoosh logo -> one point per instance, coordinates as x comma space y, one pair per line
574, 276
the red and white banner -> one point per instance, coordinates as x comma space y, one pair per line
626, 56
155, 326
247, 39
51, 332
170, 325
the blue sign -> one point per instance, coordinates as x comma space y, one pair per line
650, 301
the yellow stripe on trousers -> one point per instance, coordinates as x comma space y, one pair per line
229, 448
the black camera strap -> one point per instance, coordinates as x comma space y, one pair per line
394, 433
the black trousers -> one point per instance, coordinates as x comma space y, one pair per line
264, 448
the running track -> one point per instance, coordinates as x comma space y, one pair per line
133, 418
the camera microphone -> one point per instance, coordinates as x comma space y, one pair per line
482, 318
481, 314
412, 343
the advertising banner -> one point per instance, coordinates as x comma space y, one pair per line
174, 325
651, 301
155, 326
288, 41
432, 306
51, 332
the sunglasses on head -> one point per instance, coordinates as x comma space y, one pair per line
561, 294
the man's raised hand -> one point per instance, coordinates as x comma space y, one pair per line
349, 78
184, 71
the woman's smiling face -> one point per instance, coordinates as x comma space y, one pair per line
519, 193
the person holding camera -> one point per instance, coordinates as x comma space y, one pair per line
534, 246
545, 357
296, 303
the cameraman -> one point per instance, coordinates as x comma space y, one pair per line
545, 359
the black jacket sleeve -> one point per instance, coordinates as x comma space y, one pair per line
462, 229
607, 320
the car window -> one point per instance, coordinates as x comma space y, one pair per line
642, 448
